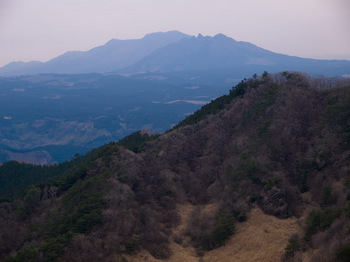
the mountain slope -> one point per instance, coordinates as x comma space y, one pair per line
175, 51
203, 53
222, 52
114, 55
277, 142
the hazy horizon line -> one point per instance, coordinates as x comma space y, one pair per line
317, 56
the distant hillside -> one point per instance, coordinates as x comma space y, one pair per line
175, 51
114, 55
222, 52
261, 174
48, 118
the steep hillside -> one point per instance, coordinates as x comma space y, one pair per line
277, 144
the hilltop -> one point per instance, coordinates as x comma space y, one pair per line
272, 155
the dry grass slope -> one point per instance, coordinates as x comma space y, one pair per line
260, 238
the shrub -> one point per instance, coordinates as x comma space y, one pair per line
221, 233
159, 251
123, 259
241, 217
30, 200
343, 254
328, 197
136, 141
239, 89
305, 167
319, 220
53, 247
28, 254
249, 169
347, 210
132, 245
259, 107
292, 246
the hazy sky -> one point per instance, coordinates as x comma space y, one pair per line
42, 29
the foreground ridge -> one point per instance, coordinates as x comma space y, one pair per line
273, 154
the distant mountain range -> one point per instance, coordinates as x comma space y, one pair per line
175, 51
114, 55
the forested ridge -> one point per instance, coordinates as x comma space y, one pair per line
279, 142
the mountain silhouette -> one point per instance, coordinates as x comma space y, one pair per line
114, 55
175, 51
221, 52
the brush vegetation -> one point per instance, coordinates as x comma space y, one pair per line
279, 142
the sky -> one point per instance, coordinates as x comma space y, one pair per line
43, 29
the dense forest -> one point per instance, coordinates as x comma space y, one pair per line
277, 142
